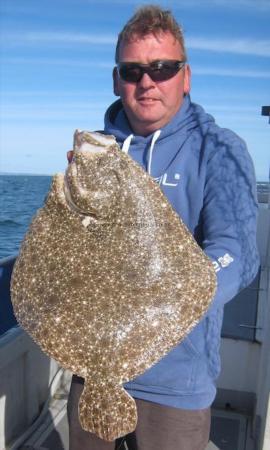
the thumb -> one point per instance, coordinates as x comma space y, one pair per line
70, 155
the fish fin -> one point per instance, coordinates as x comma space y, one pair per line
107, 411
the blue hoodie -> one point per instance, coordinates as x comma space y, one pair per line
207, 175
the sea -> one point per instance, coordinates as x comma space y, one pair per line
20, 198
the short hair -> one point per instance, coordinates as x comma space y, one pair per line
150, 19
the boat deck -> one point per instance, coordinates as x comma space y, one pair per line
229, 431
227, 434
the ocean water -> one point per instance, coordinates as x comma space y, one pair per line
20, 197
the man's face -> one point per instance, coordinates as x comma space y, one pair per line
149, 104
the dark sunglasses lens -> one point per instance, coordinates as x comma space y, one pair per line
130, 73
163, 72
160, 71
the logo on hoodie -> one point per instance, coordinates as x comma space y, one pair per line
164, 181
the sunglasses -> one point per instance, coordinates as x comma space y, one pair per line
133, 72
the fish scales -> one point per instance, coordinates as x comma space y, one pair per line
108, 279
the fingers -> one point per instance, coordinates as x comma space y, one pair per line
70, 155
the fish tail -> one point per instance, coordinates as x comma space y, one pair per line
107, 411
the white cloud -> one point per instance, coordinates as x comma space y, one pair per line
53, 112
241, 73
71, 62
51, 94
254, 47
229, 4
47, 37
258, 5
232, 109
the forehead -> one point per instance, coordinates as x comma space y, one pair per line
149, 47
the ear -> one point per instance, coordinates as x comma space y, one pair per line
116, 82
187, 79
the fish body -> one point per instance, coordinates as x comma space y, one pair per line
108, 279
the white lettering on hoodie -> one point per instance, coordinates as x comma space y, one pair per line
162, 180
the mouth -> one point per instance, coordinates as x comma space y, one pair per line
147, 100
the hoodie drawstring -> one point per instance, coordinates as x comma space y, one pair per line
154, 139
126, 145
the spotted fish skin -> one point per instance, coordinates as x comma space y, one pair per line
108, 279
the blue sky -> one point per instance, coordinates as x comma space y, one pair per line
56, 63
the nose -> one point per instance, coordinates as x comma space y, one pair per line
146, 81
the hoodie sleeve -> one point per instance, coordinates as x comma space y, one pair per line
229, 216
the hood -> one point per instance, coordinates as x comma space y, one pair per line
189, 117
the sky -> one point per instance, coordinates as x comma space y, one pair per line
56, 63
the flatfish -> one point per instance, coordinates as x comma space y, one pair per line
108, 279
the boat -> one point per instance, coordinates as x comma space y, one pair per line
34, 388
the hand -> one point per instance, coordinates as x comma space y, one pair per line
70, 155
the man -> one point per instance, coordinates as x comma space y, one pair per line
208, 177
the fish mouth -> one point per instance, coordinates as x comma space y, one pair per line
93, 142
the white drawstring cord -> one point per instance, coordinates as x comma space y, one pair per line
126, 143
154, 139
